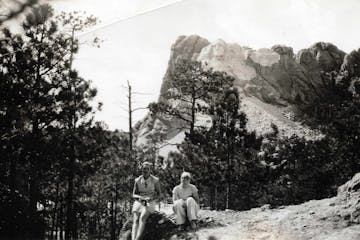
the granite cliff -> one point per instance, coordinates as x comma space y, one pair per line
276, 75
271, 82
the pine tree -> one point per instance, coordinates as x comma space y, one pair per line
192, 88
41, 96
227, 146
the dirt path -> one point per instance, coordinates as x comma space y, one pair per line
323, 219
254, 224
336, 218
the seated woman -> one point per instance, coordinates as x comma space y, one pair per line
186, 201
146, 191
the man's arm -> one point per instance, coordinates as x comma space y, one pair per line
135, 193
158, 191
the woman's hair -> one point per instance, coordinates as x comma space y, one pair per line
186, 174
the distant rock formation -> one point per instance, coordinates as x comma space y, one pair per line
350, 62
276, 75
271, 81
184, 48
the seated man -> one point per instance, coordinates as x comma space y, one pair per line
186, 201
146, 192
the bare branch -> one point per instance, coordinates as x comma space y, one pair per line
139, 108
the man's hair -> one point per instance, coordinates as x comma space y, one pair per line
146, 163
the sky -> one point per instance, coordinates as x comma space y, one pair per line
137, 36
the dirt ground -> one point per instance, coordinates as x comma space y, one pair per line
336, 218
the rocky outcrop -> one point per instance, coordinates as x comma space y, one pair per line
328, 56
158, 226
185, 47
349, 197
230, 58
271, 81
293, 79
351, 63
351, 186
276, 75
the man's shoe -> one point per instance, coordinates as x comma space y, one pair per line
193, 224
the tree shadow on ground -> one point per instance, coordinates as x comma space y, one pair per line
160, 226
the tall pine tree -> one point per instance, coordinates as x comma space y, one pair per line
227, 147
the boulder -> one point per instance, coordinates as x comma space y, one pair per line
351, 186
349, 193
158, 226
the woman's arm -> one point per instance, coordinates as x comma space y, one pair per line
175, 196
195, 195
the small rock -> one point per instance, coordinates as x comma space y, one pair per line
212, 238
174, 237
265, 207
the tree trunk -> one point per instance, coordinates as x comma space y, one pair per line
53, 224
98, 232
76, 222
69, 203
112, 225
33, 226
54, 216
61, 221
227, 195
211, 194
44, 227
115, 210
193, 112
13, 175
70, 225
56, 224
216, 197
34, 192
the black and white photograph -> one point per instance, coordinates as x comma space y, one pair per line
179, 120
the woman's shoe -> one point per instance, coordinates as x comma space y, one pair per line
181, 228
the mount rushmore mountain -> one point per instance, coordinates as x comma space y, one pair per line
270, 81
